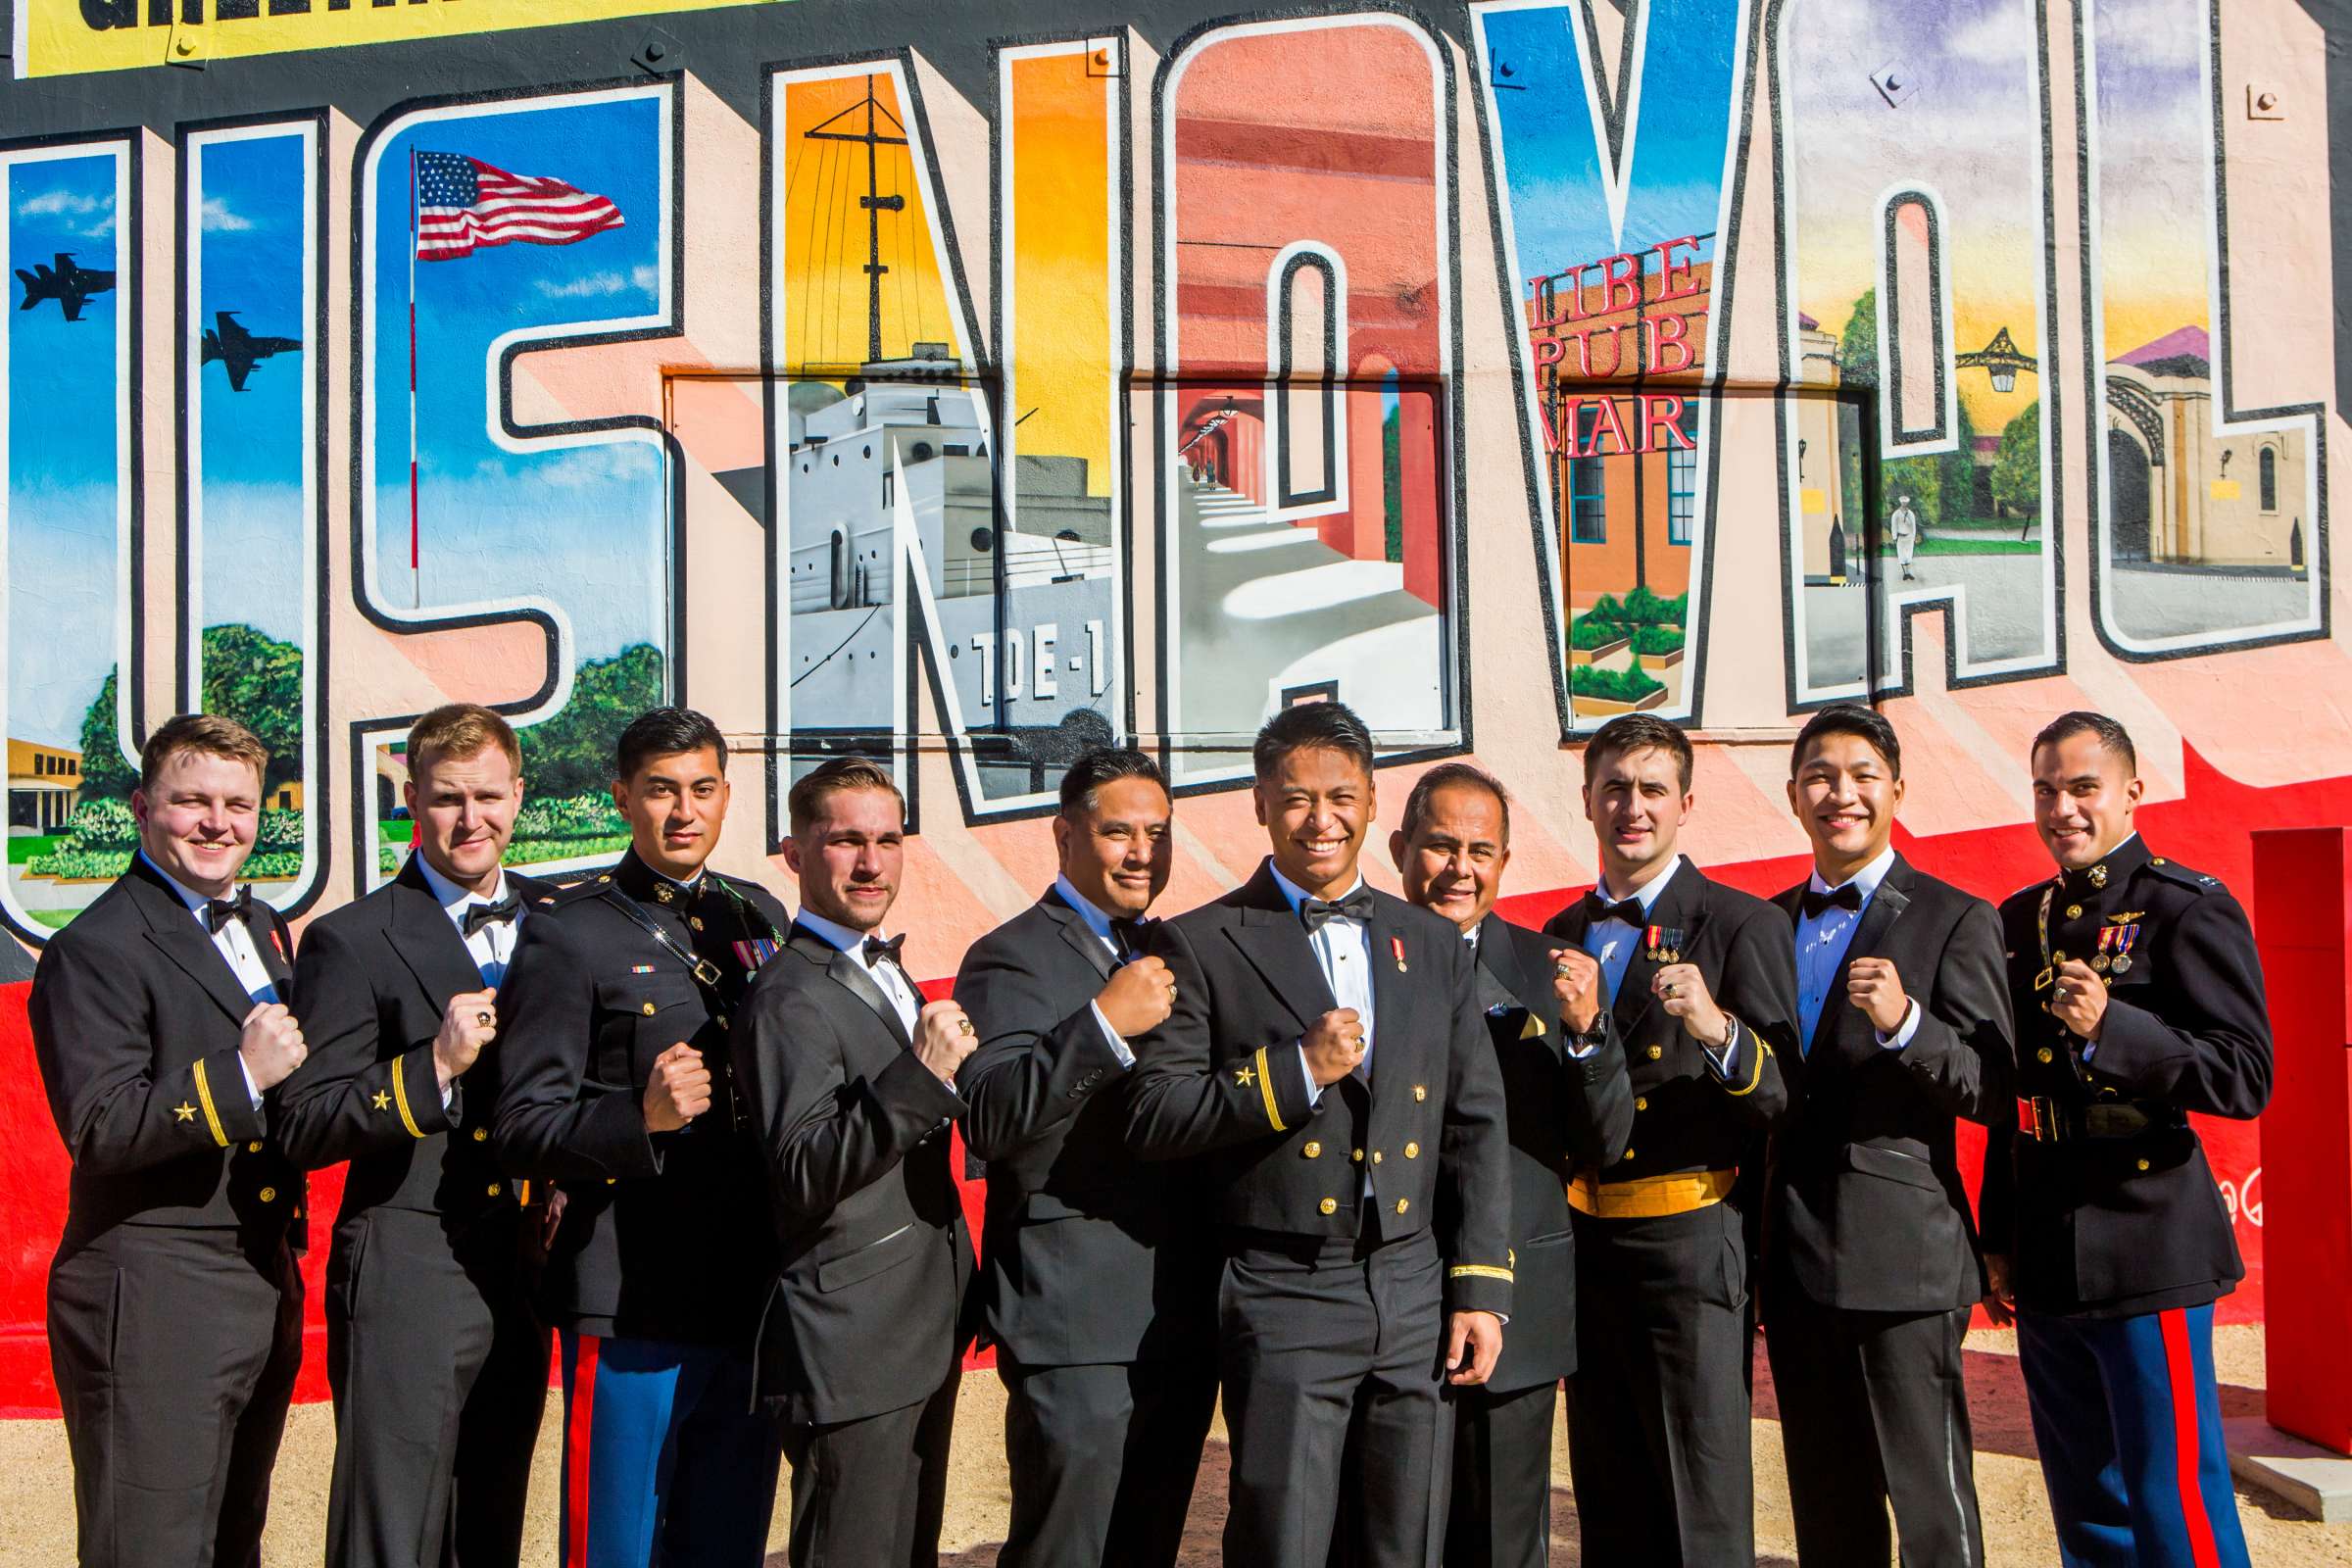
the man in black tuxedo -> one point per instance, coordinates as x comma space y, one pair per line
1871, 1268
1099, 1290
1327, 1062
160, 1024
850, 1077
1453, 847
438, 1362
617, 1080
1704, 1014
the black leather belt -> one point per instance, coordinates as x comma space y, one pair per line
2054, 1121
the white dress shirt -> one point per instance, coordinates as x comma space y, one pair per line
1821, 944
889, 977
1613, 942
1099, 924
491, 948
1343, 951
235, 944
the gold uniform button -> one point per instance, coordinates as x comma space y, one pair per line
1656, 1052
253, 1148
1312, 1150
1420, 1092
648, 1009
481, 1135
1376, 1157
1358, 1156
1412, 1151
2044, 1055
1403, 1203
1628, 1153
2158, 860
494, 1188
1641, 1102
268, 1195
2074, 911
694, 920
2143, 1165
1329, 1205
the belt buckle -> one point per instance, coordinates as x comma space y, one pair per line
705, 971
2037, 1118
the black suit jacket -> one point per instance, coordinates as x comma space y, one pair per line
1681, 1115
369, 987
868, 1310
2112, 1227
1868, 1209
1222, 1079
135, 1022
664, 1235
1089, 1256
1523, 1026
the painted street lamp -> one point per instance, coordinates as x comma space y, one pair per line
2000, 360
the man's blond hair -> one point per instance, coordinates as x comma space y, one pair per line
461, 729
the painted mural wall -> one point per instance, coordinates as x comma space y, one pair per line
940, 383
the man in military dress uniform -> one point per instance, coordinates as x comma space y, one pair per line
1871, 1267
617, 1081
160, 1024
437, 1358
1704, 1014
850, 1077
1100, 1292
1327, 1054
1452, 849
2139, 997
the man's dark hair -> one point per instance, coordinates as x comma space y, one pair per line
1454, 776
2113, 736
1865, 724
666, 732
1637, 732
1331, 725
1104, 764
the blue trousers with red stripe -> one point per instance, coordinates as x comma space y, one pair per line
667, 1461
2129, 1422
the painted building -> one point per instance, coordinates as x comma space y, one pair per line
44, 785
969, 386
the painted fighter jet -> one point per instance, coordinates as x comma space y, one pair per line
67, 283
238, 350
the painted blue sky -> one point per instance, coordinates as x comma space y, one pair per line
583, 526
62, 425
250, 250
1554, 160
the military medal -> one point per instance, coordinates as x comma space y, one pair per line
2099, 959
1397, 946
1665, 945
2125, 935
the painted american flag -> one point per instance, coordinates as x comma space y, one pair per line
462, 202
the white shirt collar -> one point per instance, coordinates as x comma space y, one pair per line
836, 935
188, 896
1867, 879
1095, 920
1647, 894
452, 898
1298, 894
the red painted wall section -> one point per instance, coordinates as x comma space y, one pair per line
2209, 828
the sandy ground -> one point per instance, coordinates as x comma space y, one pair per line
35, 1487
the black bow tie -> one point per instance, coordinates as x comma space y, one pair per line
1597, 909
876, 948
218, 912
1315, 914
1129, 936
478, 915
1817, 902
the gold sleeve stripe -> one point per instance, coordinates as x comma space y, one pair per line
1755, 1076
400, 1098
1480, 1271
1265, 1087
203, 1095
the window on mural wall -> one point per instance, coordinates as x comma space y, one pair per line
1587, 488
1682, 479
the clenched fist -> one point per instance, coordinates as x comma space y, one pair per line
678, 1091
2078, 999
1334, 1046
1138, 997
1576, 987
1872, 985
469, 1023
943, 1038
271, 1045
1684, 991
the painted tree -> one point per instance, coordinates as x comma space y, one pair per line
249, 676
570, 752
2017, 471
